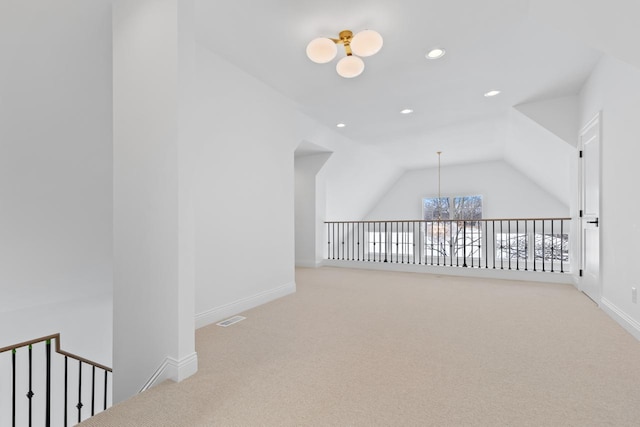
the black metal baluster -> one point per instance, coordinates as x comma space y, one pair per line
413, 241
65, 389
336, 244
358, 237
30, 394
336, 247
47, 420
342, 240
376, 244
501, 245
390, 243
534, 245
526, 245
543, 243
380, 245
457, 243
464, 243
401, 239
509, 232
439, 244
105, 389
451, 243
387, 240
518, 247
493, 230
362, 247
328, 241
420, 239
553, 251
480, 243
353, 241
346, 239
473, 235
562, 246
369, 241
486, 243
79, 405
471, 253
93, 389
13, 387
349, 239
431, 243
375, 247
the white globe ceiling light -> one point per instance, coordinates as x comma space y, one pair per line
350, 66
365, 43
322, 50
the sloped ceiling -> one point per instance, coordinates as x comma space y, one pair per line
491, 44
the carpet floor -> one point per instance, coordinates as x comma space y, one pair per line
372, 348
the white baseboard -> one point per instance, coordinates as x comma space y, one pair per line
174, 370
529, 276
627, 322
308, 263
231, 309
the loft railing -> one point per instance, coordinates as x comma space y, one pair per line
523, 244
31, 371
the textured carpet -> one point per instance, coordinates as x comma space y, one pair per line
363, 348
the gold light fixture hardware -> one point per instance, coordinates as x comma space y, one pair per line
345, 38
365, 43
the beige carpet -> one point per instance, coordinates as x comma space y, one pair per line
363, 348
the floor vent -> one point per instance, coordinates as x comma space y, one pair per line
230, 321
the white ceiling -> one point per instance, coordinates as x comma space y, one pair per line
491, 44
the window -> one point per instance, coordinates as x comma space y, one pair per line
434, 208
469, 207
452, 238
464, 207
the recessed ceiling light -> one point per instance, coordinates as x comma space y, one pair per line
492, 93
340, 125
406, 111
436, 53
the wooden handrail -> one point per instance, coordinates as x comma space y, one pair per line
449, 220
58, 350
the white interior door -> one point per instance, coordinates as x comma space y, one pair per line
590, 208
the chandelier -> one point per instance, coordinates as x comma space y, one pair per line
365, 43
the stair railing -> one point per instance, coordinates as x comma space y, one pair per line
45, 377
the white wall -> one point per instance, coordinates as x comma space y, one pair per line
310, 202
558, 115
153, 287
355, 176
55, 153
244, 193
540, 155
506, 193
614, 89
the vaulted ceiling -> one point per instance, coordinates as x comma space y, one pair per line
490, 44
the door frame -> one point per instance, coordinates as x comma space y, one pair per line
595, 121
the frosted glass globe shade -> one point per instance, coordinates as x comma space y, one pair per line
321, 50
350, 66
366, 43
